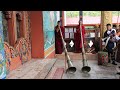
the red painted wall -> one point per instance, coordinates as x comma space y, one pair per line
37, 35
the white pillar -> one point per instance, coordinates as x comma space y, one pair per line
58, 15
65, 18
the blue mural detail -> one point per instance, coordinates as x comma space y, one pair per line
49, 22
55, 14
2, 52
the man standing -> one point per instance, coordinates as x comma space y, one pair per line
110, 45
58, 39
77, 37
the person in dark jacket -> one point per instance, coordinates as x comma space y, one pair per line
110, 33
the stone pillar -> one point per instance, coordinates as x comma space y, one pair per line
81, 16
23, 25
12, 29
63, 23
62, 18
106, 17
65, 18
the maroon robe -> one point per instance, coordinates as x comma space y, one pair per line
118, 53
58, 41
77, 38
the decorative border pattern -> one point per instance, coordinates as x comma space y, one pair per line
2, 53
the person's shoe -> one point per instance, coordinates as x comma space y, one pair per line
108, 61
119, 67
114, 63
118, 73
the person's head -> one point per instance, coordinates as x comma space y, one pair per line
118, 32
58, 23
119, 26
108, 26
114, 26
80, 22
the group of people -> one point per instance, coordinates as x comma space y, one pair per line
112, 39
112, 35
77, 38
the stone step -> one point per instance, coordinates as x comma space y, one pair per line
77, 56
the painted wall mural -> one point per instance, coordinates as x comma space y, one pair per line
12, 57
2, 53
55, 20
21, 52
49, 23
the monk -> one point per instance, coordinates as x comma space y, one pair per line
118, 49
118, 46
58, 39
77, 38
118, 55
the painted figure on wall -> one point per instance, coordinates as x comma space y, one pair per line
58, 39
77, 37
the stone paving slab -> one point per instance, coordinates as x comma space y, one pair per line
106, 76
19, 72
51, 73
29, 70
45, 71
58, 73
97, 71
58, 64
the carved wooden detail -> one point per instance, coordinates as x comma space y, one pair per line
19, 15
21, 52
8, 14
5, 27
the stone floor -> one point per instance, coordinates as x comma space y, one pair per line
33, 69
97, 72
46, 68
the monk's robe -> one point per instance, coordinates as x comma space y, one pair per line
58, 41
77, 38
118, 53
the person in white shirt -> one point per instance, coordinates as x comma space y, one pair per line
109, 44
116, 38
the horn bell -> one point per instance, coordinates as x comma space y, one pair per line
86, 69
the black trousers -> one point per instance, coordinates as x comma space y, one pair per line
112, 56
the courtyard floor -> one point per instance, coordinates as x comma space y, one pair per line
55, 69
